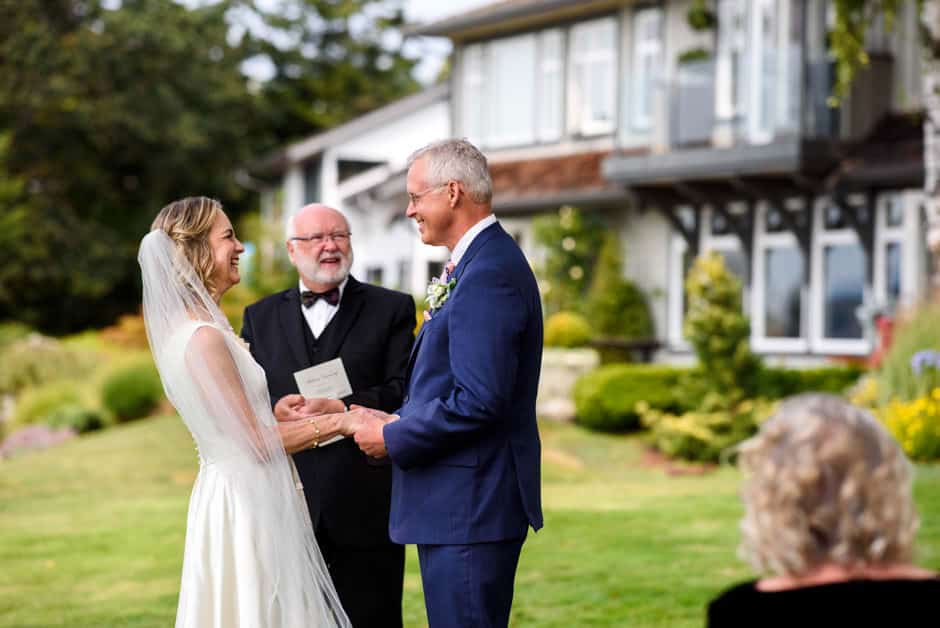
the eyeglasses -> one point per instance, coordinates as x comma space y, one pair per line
318, 239
415, 197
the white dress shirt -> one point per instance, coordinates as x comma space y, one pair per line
464, 242
319, 315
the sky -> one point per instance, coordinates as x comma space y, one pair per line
434, 52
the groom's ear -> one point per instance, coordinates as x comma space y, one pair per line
454, 192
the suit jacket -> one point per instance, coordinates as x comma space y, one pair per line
466, 450
348, 493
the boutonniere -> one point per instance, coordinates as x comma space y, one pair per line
439, 291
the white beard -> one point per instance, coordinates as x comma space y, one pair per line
310, 269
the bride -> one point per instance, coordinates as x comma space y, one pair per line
251, 559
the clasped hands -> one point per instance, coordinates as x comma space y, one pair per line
360, 423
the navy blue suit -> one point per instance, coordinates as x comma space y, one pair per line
466, 453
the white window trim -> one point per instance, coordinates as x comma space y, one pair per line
676, 294
763, 242
821, 239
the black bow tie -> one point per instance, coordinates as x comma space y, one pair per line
331, 296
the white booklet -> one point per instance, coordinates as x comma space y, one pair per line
327, 380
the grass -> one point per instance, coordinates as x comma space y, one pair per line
91, 534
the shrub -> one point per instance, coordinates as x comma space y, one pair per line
132, 392
918, 332
613, 397
36, 405
128, 331
567, 329
76, 417
719, 332
37, 360
12, 331
616, 308
571, 239
706, 436
777, 383
916, 425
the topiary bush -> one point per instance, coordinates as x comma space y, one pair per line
613, 397
132, 392
719, 332
79, 418
567, 329
36, 405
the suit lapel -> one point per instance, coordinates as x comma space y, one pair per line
292, 322
350, 306
472, 250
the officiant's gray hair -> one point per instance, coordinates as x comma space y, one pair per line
456, 159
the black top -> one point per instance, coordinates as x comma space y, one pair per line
855, 603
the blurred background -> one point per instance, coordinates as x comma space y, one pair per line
725, 202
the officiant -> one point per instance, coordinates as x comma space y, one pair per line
331, 315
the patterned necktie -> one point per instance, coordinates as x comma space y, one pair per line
331, 296
448, 270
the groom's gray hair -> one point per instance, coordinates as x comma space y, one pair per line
456, 160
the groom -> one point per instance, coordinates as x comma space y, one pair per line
464, 445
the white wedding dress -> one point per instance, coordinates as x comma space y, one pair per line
251, 559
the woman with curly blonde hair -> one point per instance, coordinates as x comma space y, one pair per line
830, 518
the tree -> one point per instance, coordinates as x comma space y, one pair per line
332, 60
110, 113
616, 308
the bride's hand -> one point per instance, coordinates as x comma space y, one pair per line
320, 405
290, 408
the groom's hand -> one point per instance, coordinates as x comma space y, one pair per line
368, 433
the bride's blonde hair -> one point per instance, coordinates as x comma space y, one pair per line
188, 222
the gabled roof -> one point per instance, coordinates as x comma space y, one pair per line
306, 148
508, 15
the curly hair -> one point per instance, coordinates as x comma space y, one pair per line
188, 222
825, 483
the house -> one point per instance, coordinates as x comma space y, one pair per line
689, 140
359, 168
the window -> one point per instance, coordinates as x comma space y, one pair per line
593, 77
783, 285
839, 283
889, 259
647, 61
471, 112
843, 290
374, 275
312, 181
510, 93
550, 81
404, 275
763, 64
435, 269
732, 44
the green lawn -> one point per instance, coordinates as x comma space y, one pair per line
91, 534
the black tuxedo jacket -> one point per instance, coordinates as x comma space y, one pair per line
348, 493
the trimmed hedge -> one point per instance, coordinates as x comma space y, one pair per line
37, 404
777, 383
606, 399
